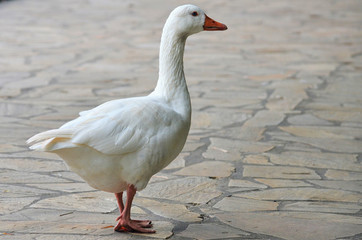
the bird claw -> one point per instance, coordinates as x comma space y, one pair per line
145, 222
139, 226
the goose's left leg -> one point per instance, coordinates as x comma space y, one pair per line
125, 223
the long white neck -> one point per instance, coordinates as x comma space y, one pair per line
171, 84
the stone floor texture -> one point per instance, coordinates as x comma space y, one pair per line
275, 145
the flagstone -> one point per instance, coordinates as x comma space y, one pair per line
178, 212
317, 160
12, 191
292, 225
323, 132
327, 207
198, 190
339, 116
96, 201
355, 186
233, 204
245, 184
231, 150
257, 159
281, 183
330, 144
32, 165
64, 187
208, 169
343, 175
283, 172
179, 161
265, 118
11, 176
243, 133
303, 194
308, 120
210, 231
9, 205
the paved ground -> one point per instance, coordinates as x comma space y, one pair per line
275, 144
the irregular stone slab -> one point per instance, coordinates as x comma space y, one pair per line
21, 110
265, 118
163, 229
54, 215
355, 186
320, 69
64, 187
279, 183
303, 194
243, 133
13, 191
323, 132
216, 118
282, 104
326, 207
10, 148
233, 204
179, 162
176, 212
8, 176
279, 172
111, 236
343, 175
231, 150
340, 116
333, 145
32, 165
160, 177
90, 201
292, 225
69, 176
208, 169
317, 160
207, 231
257, 159
271, 77
9, 205
307, 119
53, 227
245, 184
187, 190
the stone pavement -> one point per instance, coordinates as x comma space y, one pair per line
275, 144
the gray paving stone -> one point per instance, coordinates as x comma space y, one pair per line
210, 231
177, 212
186, 190
323, 207
90, 201
308, 119
216, 169
292, 225
317, 160
305, 193
232, 204
283, 172
231, 150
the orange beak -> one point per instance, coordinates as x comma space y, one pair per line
212, 25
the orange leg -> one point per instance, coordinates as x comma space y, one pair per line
125, 223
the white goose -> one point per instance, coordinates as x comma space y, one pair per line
120, 144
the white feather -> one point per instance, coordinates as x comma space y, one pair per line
126, 141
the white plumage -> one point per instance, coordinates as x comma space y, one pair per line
122, 143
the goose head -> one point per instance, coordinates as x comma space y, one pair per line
188, 19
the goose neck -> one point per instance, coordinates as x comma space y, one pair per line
171, 75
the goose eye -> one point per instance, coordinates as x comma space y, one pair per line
195, 14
